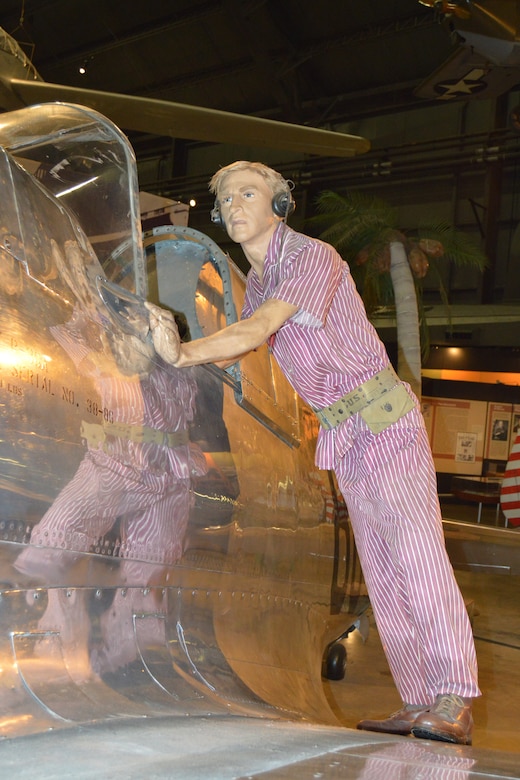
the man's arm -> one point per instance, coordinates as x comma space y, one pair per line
225, 345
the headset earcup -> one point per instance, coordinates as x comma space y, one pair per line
216, 217
283, 204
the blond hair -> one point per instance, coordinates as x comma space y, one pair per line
275, 181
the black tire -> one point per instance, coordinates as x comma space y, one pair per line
335, 662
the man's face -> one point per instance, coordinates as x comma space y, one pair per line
245, 204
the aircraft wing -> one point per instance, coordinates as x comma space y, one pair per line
178, 120
468, 74
223, 748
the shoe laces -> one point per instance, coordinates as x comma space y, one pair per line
449, 706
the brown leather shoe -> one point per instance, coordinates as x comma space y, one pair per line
400, 722
448, 720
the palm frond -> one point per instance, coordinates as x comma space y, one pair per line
353, 221
460, 248
434, 269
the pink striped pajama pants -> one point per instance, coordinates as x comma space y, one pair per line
419, 610
153, 508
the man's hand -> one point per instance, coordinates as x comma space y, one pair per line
165, 334
223, 347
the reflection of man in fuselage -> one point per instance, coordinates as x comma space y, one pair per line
137, 470
139, 461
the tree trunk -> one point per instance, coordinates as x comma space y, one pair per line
408, 338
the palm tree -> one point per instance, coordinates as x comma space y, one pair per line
389, 266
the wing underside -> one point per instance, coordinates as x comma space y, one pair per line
178, 120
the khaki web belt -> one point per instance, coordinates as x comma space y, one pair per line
96, 434
381, 400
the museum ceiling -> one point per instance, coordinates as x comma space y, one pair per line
332, 65
291, 60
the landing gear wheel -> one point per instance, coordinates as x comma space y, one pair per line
334, 662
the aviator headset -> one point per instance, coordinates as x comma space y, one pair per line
282, 204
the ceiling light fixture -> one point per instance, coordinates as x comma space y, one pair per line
84, 66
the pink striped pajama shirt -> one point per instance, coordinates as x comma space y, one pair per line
388, 479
